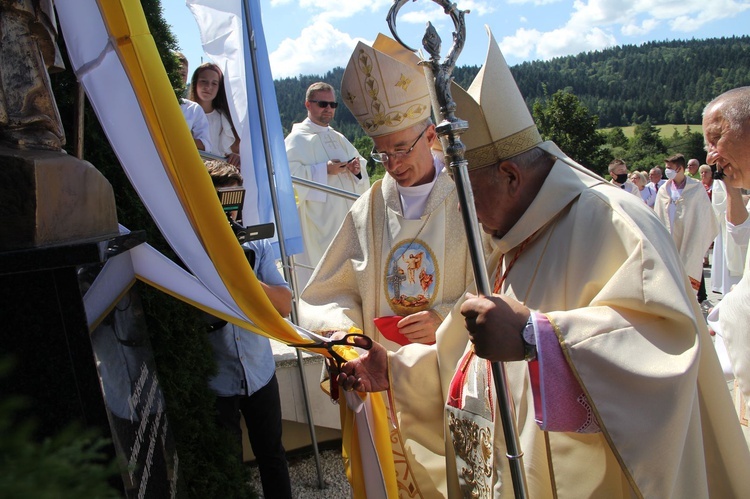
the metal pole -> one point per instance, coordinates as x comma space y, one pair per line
78, 120
450, 130
279, 228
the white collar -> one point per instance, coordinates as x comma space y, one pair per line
317, 128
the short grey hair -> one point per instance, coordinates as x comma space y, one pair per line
319, 86
531, 158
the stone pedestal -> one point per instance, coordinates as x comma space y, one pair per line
73, 326
49, 198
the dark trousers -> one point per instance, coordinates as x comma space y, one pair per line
262, 413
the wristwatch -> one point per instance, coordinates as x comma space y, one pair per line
529, 340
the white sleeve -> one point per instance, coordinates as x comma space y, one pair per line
197, 122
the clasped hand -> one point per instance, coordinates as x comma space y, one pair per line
420, 327
336, 167
495, 324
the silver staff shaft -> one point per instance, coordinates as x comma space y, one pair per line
506, 405
450, 129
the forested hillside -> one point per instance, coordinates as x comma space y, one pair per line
665, 82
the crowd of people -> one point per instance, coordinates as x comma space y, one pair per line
597, 308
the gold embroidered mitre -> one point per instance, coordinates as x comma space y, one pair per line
500, 125
385, 88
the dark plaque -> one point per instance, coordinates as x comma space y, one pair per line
134, 401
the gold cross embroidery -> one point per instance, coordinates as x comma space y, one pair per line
403, 82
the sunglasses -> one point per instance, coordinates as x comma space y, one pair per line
324, 103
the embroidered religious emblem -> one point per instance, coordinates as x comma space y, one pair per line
412, 277
470, 411
330, 142
380, 116
403, 82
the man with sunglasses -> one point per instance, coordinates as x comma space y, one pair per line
319, 153
400, 260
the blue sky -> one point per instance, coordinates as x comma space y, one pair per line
314, 36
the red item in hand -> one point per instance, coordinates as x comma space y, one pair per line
388, 328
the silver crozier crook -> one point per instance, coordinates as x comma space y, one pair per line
449, 130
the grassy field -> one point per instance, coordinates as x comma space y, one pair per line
665, 131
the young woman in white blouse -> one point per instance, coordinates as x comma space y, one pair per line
207, 89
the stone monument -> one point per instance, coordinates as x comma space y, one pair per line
71, 318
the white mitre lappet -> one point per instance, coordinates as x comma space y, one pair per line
384, 87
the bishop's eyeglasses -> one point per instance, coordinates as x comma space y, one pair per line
383, 157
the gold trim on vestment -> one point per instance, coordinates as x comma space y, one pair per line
504, 148
379, 115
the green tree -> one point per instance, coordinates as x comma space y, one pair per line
71, 464
688, 143
646, 148
615, 137
364, 145
567, 122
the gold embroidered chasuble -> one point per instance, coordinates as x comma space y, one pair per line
373, 268
624, 313
694, 225
354, 282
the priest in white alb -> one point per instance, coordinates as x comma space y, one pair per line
319, 153
685, 209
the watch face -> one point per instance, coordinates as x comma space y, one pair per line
529, 341
528, 333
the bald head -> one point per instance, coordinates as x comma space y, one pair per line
726, 130
734, 107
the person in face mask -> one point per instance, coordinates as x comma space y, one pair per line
618, 170
683, 207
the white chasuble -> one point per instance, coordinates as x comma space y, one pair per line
354, 284
734, 326
693, 225
624, 315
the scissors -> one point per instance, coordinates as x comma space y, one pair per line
346, 341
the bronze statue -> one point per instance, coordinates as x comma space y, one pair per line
47, 197
28, 113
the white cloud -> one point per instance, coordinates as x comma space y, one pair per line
592, 24
477, 7
319, 48
567, 41
644, 28
521, 44
642, 16
533, 2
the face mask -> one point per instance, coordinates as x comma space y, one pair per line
621, 178
671, 174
